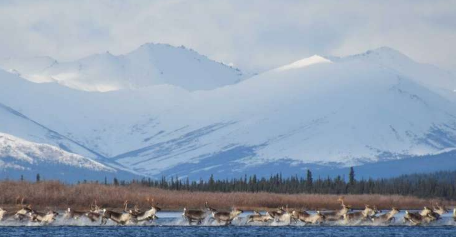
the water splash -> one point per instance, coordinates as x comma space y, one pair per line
175, 219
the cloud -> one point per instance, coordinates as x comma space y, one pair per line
255, 35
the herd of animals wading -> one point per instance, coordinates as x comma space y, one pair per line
95, 214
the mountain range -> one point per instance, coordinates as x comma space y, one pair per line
164, 110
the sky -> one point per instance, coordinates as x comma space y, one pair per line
254, 35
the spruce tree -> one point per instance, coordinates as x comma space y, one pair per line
351, 176
309, 181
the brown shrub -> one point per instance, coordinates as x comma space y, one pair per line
55, 195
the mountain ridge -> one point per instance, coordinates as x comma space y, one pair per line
150, 64
351, 112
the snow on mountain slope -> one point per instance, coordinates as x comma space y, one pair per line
103, 121
30, 68
32, 153
430, 76
150, 64
25, 159
15, 123
364, 114
348, 112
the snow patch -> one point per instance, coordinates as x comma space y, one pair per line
316, 59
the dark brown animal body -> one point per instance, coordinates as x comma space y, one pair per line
73, 214
413, 217
258, 217
226, 217
119, 218
307, 218
196, 216
93, 216
387, 217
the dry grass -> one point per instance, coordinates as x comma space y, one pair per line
55, 195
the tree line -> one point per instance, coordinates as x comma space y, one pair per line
435, 185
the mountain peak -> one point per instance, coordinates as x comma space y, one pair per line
381, 54
151, 46
305, 62
149, 65
386, 51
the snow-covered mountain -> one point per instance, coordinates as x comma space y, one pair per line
19, 157
429, 76
319, 112
17, 124
150, 64
33, 153
41, 149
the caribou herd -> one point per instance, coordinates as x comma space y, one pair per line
370, 214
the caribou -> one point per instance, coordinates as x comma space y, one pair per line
277, 213
149, 215
366, 214
440, 209
73, 214
95, 212
429, 215
337, 215
120, 218
426, 211
225, 216
454, 214
2, 213
24, 210
417, 218
197, 215
387, 217
135, 215
281, 215
45, 218
307, 218
258, 217
414, 218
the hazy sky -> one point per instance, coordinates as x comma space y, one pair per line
253, 35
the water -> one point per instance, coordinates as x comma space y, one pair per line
172, 224
176, 231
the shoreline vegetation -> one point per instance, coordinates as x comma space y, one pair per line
56, 195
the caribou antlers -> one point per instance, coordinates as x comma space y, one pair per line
341, 200
125, 206
94, 206
21, 203
209, 208
150, 201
